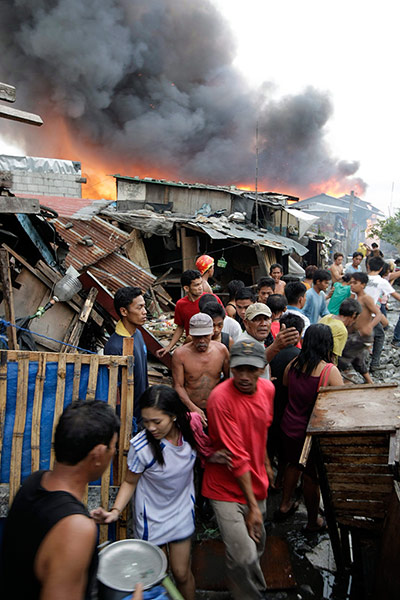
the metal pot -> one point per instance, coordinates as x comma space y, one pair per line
125, 563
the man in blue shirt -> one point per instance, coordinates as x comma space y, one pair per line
130, 306
315, 306
355, 265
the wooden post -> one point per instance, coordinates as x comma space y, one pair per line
189, 250
74, 337
8, 298
127, 410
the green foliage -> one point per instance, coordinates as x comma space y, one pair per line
388, 230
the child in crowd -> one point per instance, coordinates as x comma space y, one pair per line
265, 288
233, 287
277, 304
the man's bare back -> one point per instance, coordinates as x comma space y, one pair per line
196, 373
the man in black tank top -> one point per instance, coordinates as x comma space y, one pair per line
49, 544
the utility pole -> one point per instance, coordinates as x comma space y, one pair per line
256, 201
350, 223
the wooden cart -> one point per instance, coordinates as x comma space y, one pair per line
356, 444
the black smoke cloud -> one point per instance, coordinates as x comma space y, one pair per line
151, 82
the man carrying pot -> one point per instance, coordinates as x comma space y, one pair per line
49, 545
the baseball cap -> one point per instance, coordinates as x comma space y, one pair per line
203, 263
248, 351
258, 308
201, 324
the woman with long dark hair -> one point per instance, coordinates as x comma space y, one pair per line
304, 375
160, 474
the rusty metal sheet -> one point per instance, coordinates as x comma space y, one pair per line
102, 258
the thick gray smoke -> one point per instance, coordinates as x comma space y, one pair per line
151, 82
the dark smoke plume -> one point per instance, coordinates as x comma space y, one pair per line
151, 83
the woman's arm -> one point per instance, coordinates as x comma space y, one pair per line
126, 491
335, 377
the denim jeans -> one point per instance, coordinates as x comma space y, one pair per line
379, 338
396, 333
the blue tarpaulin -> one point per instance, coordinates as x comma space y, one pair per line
47, 414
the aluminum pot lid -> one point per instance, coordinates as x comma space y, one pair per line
125, 563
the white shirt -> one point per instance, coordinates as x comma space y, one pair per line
377, 286
164, 496
232, 328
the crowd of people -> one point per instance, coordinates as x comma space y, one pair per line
232, 425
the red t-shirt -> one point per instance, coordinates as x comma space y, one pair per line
238, 422
185, 309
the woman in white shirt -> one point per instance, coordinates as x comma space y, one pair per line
160, 475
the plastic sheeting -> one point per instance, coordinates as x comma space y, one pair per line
36, 164
47, 413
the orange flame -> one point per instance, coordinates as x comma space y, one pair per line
101, 184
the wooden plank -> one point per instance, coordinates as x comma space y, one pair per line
349, 440
92, 381
16, 204
77, 377
347, 410
59, 404
105, 480
126, 424
394, 448
276, 564
361, 469
363, 523
7, 92
37, 411
13, 355
8, 298
20, 115
371, 508
359, 459
79, 325
388, 572
19, 424
355, 450
364, 479
305, 451
3, 395
373, 494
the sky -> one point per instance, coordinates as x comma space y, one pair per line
345, 49
348, 48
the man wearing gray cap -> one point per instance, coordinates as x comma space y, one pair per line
198, 365
240, 411
257, 324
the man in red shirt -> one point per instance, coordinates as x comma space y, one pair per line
186, 307
239, 412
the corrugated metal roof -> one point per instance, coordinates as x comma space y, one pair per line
112, 269
63, 205
274, 197
255, 236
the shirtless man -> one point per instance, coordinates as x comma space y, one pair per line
197, 366
359, 340
276, 272
336, 267
205, 264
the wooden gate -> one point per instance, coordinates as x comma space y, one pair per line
26, 397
